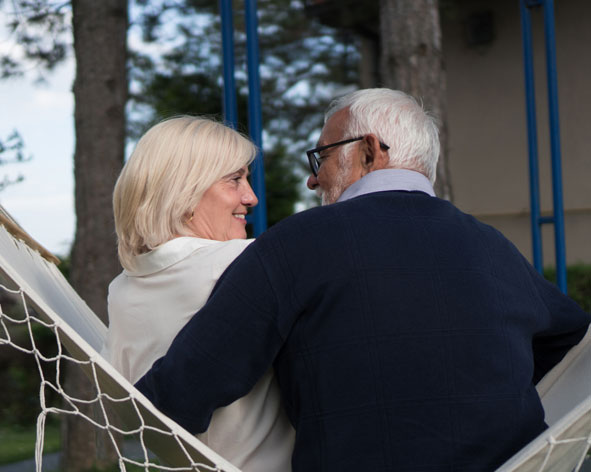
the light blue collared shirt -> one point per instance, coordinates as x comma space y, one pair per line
388, 179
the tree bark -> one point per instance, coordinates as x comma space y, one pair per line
100, 91
412, 61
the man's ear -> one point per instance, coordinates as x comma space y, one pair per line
373, 156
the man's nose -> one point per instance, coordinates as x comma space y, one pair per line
312, 182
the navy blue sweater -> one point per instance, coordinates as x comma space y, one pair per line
405, 335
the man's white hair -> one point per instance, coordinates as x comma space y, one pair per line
398, 121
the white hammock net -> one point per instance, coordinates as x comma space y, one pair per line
46, 301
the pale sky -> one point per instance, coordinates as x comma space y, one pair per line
43, 204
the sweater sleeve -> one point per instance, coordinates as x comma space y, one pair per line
565, 326
222, 351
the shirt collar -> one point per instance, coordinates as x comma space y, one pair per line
388, 179
165, 255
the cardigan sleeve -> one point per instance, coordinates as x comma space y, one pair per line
222, 351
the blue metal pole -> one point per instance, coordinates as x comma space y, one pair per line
230, 104
532, 136
255, 120
559, 239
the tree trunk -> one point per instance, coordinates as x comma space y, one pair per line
100, 91
412, 61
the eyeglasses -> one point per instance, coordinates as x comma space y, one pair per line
315, 159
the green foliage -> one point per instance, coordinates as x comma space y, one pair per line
19, 375
12, 151
281, 185
18, 443
65, 266
20, 389
578, 281
41, 29
128, 468
303, 63
168, 95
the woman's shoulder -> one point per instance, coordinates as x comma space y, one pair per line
182, 249
219, 253
189, 245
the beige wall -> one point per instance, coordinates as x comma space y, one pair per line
487, 125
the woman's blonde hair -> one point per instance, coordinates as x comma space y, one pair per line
172, 166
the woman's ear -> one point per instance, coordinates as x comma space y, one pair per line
373, 156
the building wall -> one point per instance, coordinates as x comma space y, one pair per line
487, 124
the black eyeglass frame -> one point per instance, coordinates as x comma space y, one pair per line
314, 160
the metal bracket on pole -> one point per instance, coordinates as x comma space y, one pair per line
558, 217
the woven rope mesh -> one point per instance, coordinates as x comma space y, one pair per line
42, 318
23, 330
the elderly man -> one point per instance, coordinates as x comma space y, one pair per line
405, 335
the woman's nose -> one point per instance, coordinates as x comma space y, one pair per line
312, 182
249, 198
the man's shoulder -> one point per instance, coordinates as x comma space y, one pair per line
360, 206
304, 219
374, 209
303, 234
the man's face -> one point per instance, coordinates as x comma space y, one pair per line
337, 171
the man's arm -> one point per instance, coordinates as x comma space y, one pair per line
223, 350
566, 325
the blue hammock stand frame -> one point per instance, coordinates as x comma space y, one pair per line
255, 126
532, 138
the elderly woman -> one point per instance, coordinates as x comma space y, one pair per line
180, 205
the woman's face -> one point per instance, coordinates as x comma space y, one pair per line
221, 212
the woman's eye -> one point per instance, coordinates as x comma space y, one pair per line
236, 178
233, 177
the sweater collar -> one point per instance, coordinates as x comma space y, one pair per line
387, 180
